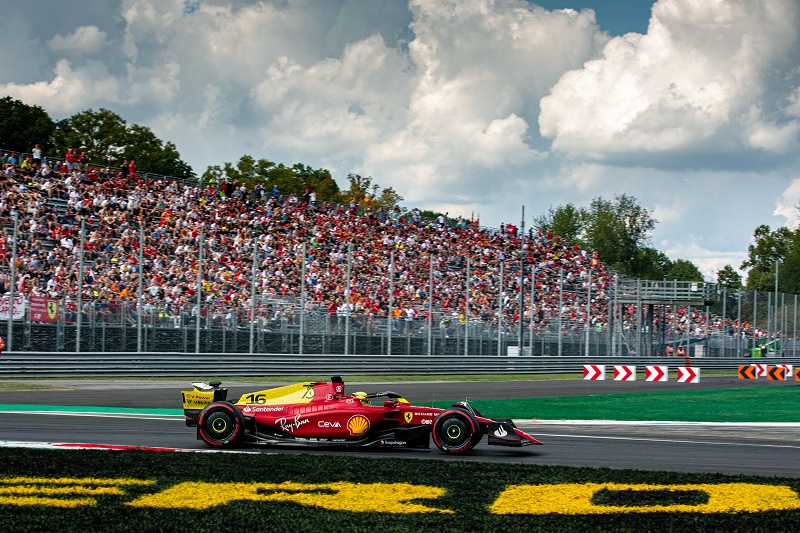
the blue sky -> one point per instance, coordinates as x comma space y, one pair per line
617, 17
462, 106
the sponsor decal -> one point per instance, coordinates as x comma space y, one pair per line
197, 395
426, 421
338, 389
394, 443
358, 424
329, 397
290, 426
578, 499
408, 416
196, 399
500, 432
349, 400
424, 413
249, 409
326, 424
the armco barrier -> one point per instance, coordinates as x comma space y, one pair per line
26, 364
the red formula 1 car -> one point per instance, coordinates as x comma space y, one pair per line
321, 414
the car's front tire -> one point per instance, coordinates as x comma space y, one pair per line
456, 431
221, 424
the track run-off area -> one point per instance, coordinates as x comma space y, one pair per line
147, 414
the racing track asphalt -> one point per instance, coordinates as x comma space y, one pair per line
730, 449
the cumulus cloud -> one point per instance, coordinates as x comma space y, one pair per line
787, 207
459, 105
85, 39
690, 83
69, 89
479, 71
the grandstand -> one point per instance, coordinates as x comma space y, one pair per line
141, 262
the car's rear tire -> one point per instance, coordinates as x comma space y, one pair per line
221, 424
456, 431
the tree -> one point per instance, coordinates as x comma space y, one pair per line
23, 126
251, 172
728, 277
684, 270
319, 180
789, 268
359, 186
152, 155
617, 231
566, 221
388, 199
768, 248
107, 139
101, 134
651, 264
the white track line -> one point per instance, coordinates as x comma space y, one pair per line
670, 441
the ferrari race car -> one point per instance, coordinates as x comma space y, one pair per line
321, 414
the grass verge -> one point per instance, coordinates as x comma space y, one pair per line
756, 404
42, 490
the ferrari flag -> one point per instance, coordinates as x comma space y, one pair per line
44, 309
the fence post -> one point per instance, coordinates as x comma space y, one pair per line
139, 307
10, 335
253, 293
533, 305
199, 293
500, 313
588, 311
429, 318
391, 305
466, 313
347, 302
560, 306
300, 347
80, 292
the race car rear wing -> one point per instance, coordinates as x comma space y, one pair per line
203, 394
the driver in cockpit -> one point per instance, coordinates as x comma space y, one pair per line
362, 397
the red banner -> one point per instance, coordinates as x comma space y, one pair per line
44, 309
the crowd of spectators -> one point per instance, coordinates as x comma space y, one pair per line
118, 207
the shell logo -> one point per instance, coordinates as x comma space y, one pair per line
358, 424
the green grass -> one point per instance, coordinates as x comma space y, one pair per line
752, 404
747, 405
25, 385
470, 488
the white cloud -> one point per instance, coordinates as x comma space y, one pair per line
787, 207
70, 89
85, 39
479, 70
460, 106
709, 262
689, 82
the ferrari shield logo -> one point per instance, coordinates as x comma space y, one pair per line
408, 415
52, 309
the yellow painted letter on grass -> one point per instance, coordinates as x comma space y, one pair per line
576, 499
341, 496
